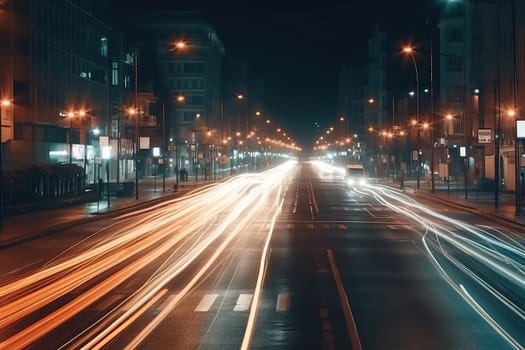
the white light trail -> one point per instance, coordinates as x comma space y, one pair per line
480, 255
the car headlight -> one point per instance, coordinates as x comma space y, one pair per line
350, 181
362, 182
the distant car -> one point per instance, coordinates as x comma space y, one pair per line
355, 176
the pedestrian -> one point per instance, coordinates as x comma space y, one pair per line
100, 187
183, 174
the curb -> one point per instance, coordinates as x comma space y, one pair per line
473, 210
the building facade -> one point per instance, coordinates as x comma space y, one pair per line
481, 57
54, 70
179, 67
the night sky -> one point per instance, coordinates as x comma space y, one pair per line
298, 47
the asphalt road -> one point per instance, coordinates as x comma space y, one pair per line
286, 259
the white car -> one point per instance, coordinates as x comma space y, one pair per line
355, 176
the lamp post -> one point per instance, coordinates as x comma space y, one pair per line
3, 104
516, 109
410, 51
432, 149
163, 153
71, 115
136, 112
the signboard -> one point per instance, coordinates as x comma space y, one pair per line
144, 142
485, 135
520, 129
103, 141
148, 120
223, 159
462, 151
156, 151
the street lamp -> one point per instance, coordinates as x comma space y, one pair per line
410, 51
4, 103
135, 113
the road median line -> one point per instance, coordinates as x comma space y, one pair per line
349, 318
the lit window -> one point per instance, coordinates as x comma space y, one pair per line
104, 46
114, 73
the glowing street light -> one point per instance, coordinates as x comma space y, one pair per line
410, 51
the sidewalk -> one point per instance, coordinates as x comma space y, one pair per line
23, 227
481, 202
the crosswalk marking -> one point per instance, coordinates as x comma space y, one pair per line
243, 302
283, 302
206, 302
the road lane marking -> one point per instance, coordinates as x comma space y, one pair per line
294, 210
349, 318
206, 302
312, 197
283, 302
243, 302
263, 265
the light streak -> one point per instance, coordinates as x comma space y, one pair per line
185, 227
248, 333
482, 255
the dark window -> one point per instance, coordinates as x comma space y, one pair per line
194, 68
21, 91
454, 34
98, 75
197, 100
454, 63
189, 116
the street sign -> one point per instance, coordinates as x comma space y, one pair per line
520, 129
103, 141
485, 135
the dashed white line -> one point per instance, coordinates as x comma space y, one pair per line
206, 302
283, 302
243, 302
